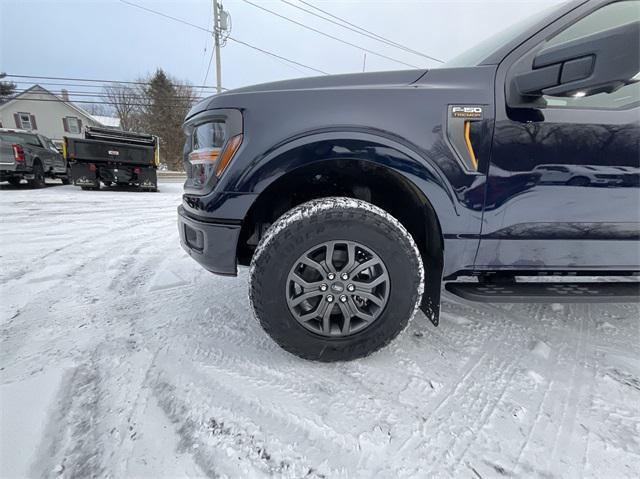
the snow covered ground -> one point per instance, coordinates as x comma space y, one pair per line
121, 357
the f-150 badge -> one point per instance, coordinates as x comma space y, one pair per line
467, 112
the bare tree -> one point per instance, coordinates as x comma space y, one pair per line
126, 101
97, 109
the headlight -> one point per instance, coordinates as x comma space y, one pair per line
211, 146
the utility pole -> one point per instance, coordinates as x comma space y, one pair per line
216, 41
221, 31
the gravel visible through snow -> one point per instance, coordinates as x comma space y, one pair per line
121, 357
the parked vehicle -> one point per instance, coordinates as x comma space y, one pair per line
25, 155
354, 197
113, 157
584, 175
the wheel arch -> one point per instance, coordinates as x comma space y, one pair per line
374, 171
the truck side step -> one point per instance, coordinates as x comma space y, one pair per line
560, 292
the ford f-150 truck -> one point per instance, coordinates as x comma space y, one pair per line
30, 156
113, 157
353, 198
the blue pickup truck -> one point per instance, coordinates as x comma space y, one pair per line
354, 198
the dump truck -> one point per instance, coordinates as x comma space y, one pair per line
113, 157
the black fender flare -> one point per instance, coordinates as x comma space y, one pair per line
385, 150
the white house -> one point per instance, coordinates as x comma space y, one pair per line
39, 110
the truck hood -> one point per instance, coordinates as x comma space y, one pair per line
351, 80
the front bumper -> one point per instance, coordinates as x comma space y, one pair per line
213, 245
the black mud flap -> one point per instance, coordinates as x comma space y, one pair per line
148, 179
556, 292
81, 175
430, 304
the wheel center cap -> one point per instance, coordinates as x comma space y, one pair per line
337, 287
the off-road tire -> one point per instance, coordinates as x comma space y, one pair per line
325, 220
38, 180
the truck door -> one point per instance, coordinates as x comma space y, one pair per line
563, 188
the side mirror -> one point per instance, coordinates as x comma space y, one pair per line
601, 62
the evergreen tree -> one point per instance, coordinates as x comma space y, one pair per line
166, 104
7, 89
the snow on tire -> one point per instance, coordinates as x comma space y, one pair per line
335, 279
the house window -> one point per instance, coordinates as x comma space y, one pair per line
73, 124
25, 121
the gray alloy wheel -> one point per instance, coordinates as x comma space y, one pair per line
337, 288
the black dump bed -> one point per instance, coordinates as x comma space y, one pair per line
112, 146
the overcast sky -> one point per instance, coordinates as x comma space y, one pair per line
107, 39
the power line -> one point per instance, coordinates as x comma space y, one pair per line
276, 55
100, 81
69, 86
94, 94
204, 82
320, 32
266, 52
166, 16
357, 29
209, 68
103, 102
72, 85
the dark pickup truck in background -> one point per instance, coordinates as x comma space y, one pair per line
25, 155
353, 198
113, 157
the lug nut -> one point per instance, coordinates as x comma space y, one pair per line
331, 276
345, 276
323, 287
351, 287
343, 298
329, 299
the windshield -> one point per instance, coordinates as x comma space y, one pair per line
475, 55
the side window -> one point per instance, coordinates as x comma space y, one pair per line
46, 143
72, 124
610, 16
25, 121
33, 140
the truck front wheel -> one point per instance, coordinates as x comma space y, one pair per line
335, 279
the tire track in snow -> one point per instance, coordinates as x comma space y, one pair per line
463, 410
293, 404
523, 331
573, 391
